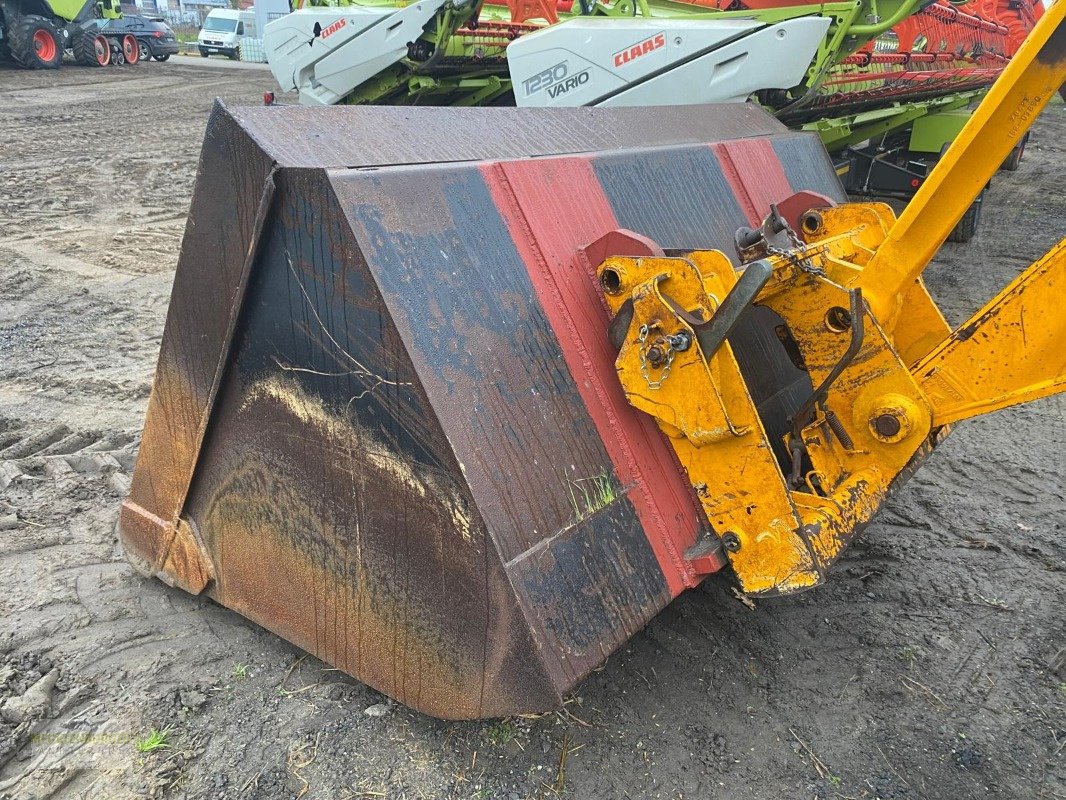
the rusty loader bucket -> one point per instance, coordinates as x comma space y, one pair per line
457, 400
386, 421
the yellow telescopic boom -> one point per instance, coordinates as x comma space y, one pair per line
1029, 81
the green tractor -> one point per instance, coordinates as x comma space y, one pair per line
35, 33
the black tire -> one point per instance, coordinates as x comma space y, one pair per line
234, 55
204, 54
163, 57
146, 49
1014, 160
966, 228
84, 47
25, 44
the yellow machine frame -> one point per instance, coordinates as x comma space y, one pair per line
888, 372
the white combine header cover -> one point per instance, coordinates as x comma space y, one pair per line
324, 53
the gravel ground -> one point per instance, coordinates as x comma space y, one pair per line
926, 668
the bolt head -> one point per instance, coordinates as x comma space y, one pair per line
887, 425
731, 542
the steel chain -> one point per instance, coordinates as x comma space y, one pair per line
654, 384
803, 264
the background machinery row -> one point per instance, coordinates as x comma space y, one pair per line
886, 84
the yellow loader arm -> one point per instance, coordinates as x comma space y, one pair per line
886, 372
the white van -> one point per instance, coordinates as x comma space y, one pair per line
223, 30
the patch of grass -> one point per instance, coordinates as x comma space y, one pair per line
155, 740
908, 653
501, 733
1062, 688
589, 495
240, 671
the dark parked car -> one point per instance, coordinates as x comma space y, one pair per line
155, 37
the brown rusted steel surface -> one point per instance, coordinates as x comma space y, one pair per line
381, 426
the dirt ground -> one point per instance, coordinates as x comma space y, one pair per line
926, 668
